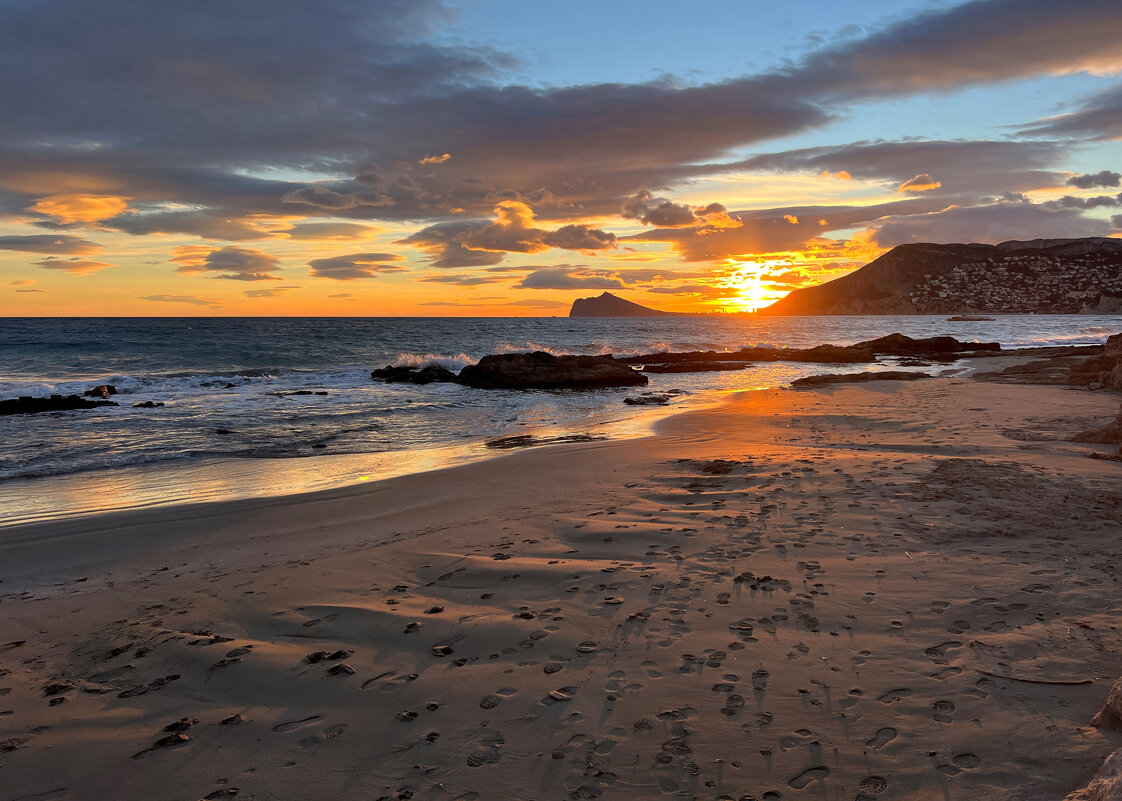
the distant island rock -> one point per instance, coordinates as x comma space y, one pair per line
1041, 276
608, 305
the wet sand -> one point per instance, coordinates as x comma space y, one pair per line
893, 590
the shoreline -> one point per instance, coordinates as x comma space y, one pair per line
37, 499
816, 590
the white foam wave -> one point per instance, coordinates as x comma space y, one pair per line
454, 363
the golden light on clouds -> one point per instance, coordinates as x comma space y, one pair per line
80, 208
921, 183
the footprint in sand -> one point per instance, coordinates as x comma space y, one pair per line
874, 785
882, 738
966, 761
759, 680
809, 775
894, 696
943, 710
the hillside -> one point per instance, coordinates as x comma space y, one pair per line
608, 305
1042, 276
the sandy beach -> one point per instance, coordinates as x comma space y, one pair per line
893, 590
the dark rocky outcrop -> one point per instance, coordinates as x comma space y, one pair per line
969, 318
649, 399
608, 305
432, 374
540, 370
531, 441
821, 354
901, 345
856, 378
147, 405
101, 391
1110, 716
1103, 370
694, 367
55, 403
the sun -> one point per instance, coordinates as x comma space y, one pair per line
752, 283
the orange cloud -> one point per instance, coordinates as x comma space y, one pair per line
435, 159
921, 183
791, 218
73, 266
80, 208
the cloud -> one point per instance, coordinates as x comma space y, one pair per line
435, 159
1069, 202
998, 222
579, 237
443, 242
921, 183
462, 280
354, 266
539, 304
43, 243
191, 299
272, 292
697, 290
80, 208
205, 224
330, 230
341, 295
237, 263
568, 276
75, 266
31, 291
1098, 117
964, 166
479, 244
657, 211
23, 282
1106, 178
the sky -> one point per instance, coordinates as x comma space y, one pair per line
485, 158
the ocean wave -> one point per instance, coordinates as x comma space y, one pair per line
454, 363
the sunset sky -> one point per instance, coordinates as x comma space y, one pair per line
414, 157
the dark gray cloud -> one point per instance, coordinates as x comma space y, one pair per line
354, 266
175, 107
569, 276
657, 211
43, 243
1069, 202
329, 230
236, 263
1105, 178
1097, 117
479, 243
961, 166
204, 224
990, 224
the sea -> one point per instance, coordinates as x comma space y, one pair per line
232, 427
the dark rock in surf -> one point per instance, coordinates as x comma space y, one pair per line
856, 378
694, 367
648, 400
540, 370
432, 374
101, 391
55, 403
147, 405
901, 344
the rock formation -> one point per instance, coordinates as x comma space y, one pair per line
55, 403
1055, 276
856, 378
541, 370
608, 305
